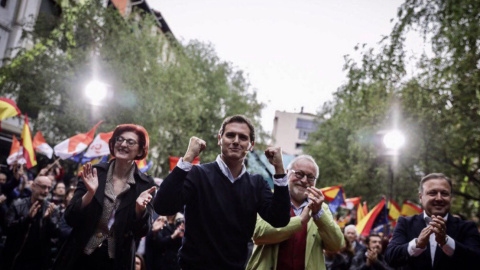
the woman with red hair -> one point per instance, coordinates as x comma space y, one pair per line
110, 210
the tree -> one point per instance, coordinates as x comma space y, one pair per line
173, 90
437, 107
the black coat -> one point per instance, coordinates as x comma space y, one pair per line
467, 245
128, 229
29, 240
161, 250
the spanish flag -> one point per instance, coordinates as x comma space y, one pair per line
410, 209
8, 108
28, 152
365, 225
361, 211
393, 210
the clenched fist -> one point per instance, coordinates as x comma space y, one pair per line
195, 147
274, 156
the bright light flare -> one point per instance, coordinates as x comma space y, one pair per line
96, 92
393, 140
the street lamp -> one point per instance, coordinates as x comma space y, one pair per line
96, 92
393, 140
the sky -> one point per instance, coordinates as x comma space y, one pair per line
292, 52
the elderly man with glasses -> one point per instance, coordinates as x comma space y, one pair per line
30, 224
311, 229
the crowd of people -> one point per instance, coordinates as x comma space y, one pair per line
215, 215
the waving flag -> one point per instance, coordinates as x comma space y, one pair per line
361, 211
393, 210
365, 225
143, 166
28, 152
350, 203
8, 108
174, 160
410, 209
75, 144
335, 196
16, 153
94, 161
41, 146
99, 146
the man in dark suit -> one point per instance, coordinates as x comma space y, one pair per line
434, 239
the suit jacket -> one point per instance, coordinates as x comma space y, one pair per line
321, 234
127, 228
359, 262
464, 233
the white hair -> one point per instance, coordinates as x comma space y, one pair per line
351, 226
307, 157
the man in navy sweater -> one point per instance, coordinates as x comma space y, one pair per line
221, 199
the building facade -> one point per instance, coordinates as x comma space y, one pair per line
291, 130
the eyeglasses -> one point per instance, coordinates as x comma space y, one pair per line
44, 187
300, 174
130, 142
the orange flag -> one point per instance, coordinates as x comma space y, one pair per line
41, 146
15, 152
75, 144
28, 152
174, 160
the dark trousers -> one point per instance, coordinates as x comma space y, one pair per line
98, 260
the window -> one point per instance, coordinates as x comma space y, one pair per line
303, 135
298, 145
305, 127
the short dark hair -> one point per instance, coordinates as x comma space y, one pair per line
372, 235
434, 176
143, 139
238, 119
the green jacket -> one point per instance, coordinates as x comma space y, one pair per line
321, 234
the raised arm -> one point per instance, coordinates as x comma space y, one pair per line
172, 195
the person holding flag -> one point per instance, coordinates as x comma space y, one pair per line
110, 210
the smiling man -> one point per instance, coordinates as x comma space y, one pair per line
221, 199
311, 229
372, 258
31, 224
434, 239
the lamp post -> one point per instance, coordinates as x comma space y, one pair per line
393, 140
96, 93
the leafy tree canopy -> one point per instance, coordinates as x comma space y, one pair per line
437, 107
175, 91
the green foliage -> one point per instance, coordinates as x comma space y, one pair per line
175, 91
437, 108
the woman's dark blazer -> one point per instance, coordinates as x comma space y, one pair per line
128, 229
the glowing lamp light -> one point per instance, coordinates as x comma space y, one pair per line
393, 140
96, 92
